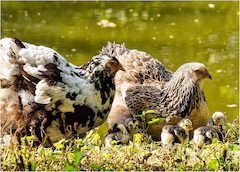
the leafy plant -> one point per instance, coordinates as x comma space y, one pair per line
149, 117
140, 155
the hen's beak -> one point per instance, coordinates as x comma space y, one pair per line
120, 67
114, 67
207, 74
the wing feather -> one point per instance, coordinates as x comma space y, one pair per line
34, 68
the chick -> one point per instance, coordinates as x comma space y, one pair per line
217, 120
176, 133
122, 133
213, 130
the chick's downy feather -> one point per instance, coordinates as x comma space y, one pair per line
213, 130
176, 133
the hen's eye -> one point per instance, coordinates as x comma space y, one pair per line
197, 71
114, 61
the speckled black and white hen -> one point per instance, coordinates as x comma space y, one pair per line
41, 92
214, 130
182, 96
140, 69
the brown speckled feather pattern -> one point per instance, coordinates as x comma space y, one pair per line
140, 69
146, 84
178, 98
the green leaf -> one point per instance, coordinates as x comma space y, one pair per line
102, 130
137, 138
114, 142
215, 141
33, 165
156, 121
42, 151
233, 147
138, 116
69, 168
85, 147
30, 138
77, 157
213, 164
150, 112
59, 146
146, 114
97, 167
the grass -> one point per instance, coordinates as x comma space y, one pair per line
142, 154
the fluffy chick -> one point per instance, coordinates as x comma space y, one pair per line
217, 119
213, 130
176, 133
122, 133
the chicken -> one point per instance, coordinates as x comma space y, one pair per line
176, 133
121, 133
140, 69
43, 94
217, 120
182, 96
214, 130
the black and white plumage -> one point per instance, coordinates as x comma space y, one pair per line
41, 92
182, 96
214, 130
176, 133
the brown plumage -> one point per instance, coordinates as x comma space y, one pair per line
140, 69
146, 84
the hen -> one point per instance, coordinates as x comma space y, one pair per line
182, 96
150, 78
42, 93
140, 69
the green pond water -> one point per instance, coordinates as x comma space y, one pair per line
173, 32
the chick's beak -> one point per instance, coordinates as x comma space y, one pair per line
190, 128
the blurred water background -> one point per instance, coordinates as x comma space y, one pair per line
172, 32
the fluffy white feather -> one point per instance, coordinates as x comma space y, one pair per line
48, 93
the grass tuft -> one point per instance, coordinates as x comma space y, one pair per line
140, 155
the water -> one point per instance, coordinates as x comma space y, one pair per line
173, 32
